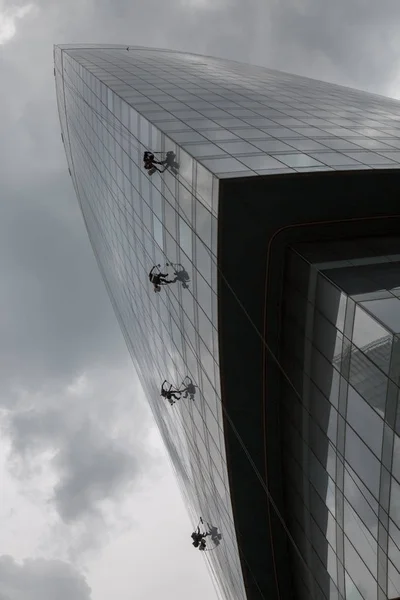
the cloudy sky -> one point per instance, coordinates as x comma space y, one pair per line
88, 505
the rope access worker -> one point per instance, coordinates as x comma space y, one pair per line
159, 279
169, 162
150, 162
170, 394
199, 539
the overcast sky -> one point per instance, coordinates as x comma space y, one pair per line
88, 505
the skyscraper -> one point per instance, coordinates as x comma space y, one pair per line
274, 214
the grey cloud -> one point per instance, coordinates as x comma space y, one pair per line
55, 317
34, 431
351, 42
94, 442
93, 469
41, 580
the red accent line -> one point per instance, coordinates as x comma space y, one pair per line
272, 239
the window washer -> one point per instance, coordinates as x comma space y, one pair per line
170, 394
198, 538
159, 279
150, 162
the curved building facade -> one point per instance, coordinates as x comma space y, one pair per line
279, 216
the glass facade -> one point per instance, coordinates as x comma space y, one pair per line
242, 120
342, 437
135, 222
340, 419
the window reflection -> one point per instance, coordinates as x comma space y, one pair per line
326, 338
206, 329
395, 502
171, 248
185, 202
364, 505
396, 458
362, 540
204, 296
134, 122
212, 426
368, 380
326, 377
364, 421
157, 203
186, 168
362, 461
352, 592
207, 360
359, 572
204, 185
387, 311
203, 259
393, 581
372, 339
185, 238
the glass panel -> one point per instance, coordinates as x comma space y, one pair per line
186, 202
204, 185
186, 168
365, 506
145, 132
324, 413
395, 502
331, 302
325, 377
368, 380
363, 461
372, 339
396, 457
203, 224
361, 538
203, 259
359, 572
393, 581
157, 203
185, 238
352, 592
387, 311
365, 421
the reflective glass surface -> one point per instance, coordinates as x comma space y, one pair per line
223, 110
134, 222
342, 448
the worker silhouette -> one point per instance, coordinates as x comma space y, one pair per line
214, 534
158, 279
170, 162
198, 538
150, 163
170, 393
182, 276
190, 388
